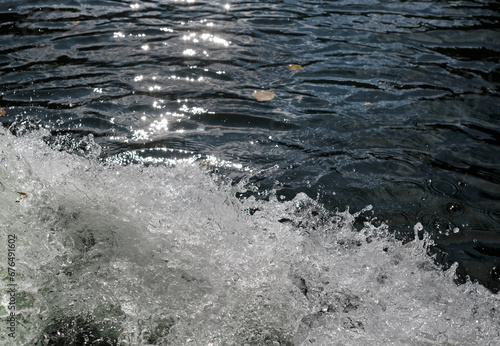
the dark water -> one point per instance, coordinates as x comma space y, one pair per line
397, 104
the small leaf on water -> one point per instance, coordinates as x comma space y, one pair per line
367, 104
2, 112
294, 67
264, 95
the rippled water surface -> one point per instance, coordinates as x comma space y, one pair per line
392, 104
388, 104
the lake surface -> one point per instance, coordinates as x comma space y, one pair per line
384, 122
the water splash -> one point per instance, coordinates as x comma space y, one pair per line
114, 255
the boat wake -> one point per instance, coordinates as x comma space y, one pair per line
135, 255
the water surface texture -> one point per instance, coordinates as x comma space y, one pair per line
113, 255
383, 103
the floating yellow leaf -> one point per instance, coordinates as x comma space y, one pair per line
367, 104
294, 67
264, 95
76, 22
2, 112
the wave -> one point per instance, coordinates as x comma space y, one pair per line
134, 255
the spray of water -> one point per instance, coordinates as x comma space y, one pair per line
134, 255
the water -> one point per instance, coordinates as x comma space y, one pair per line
134, 255
395, 106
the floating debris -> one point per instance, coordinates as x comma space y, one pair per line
264, 95
22, 196
294, 67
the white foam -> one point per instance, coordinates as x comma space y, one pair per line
163, 255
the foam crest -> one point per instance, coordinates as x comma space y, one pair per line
167, 255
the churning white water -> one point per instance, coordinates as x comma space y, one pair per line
113, 255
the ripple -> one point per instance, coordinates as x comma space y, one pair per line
455, 209
494, 215
444, 187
